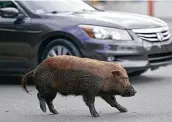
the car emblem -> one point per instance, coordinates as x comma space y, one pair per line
160, 36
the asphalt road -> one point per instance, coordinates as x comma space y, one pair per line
152, 103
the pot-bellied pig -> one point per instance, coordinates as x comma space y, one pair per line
71, 75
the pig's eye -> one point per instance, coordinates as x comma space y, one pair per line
124, 78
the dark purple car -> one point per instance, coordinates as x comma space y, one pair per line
31, 31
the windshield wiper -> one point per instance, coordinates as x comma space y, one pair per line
87, 10
83, 10
54, 12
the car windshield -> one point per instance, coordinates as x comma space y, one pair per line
52, 6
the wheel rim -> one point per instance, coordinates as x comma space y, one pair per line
58, 50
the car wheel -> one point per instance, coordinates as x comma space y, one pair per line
60, 47
137, 73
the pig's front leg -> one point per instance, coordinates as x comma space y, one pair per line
112, 101
89, 101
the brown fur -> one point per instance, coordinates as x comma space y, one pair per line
80, 76
101, 69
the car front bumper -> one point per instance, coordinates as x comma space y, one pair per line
134, 55
159, 54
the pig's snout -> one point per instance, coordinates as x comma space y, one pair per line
129, 92
132, 92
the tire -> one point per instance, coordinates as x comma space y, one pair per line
137, 73
63, 43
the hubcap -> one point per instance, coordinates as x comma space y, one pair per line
58, 50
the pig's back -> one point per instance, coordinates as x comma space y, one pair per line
72, 63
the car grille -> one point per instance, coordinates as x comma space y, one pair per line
154, 34
160, 58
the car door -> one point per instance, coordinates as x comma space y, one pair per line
16, 41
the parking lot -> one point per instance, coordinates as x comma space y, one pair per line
31, 31
152, 103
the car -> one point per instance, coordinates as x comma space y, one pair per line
31, 31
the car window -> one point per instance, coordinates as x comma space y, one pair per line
48, 6
4, 4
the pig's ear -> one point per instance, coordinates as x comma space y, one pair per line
116, 73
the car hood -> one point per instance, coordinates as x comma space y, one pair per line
126, 20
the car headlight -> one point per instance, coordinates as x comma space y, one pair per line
99, 32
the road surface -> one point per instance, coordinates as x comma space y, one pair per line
152, 103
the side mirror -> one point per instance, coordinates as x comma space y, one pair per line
9, 12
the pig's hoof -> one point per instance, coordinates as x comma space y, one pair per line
43, 108
96, 115
123, 110
54, 111
43, 105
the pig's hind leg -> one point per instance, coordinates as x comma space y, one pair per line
49, 101
42, 103
112, 101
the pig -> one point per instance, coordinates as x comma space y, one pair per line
72, 75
